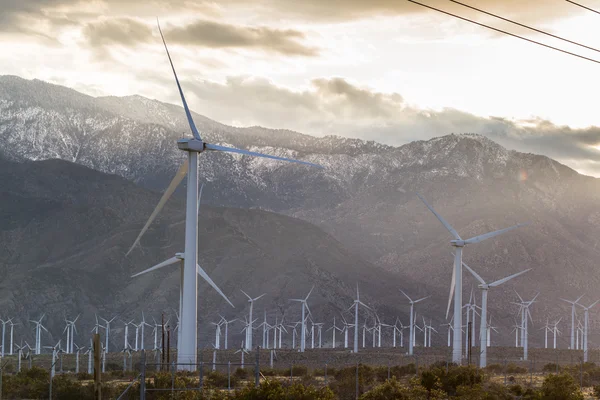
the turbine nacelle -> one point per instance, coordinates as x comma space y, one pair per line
193, 144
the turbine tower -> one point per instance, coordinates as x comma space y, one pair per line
573, 303
249, 332
357, 302
586, 311
484, 293
459, 243
411, 339
303, 321
186, 356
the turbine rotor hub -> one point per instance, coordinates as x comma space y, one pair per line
457, 243
192, 144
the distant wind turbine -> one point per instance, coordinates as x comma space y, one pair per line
456, 284
573, 303
303, 321
411, 340
484, 294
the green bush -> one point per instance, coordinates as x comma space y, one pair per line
494, 368
274, 390
297, 370
241, 373
451, 380
560, 387
597, 391
216, 379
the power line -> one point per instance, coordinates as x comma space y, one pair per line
525, 26
582, 6
505, 32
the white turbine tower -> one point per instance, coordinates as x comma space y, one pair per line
483, 331
555, 330
333, 329
249, 332
411, 338
303, 321
586, 311
573, 303
12, 328
107, 331
459, 243
186, 356
357, 302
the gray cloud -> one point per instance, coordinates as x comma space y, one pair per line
336, 106
129, 32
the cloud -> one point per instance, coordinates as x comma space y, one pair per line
337, 106
204, 33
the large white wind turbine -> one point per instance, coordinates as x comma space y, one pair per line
38, 334
586, 311
186, 356
303, 321
107, 331
249, 331
456, 283
484, 293
411, 339
573, 303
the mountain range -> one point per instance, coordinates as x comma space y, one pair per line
361, 209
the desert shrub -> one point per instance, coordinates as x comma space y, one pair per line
515, 369
344, 384
241, 373
402, 370
394, 390
273, 390
494, 368
596, 391
451, 380
84, 376
560, 387
297, 370
551, 367
268, 372
218, 380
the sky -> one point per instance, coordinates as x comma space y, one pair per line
385, 70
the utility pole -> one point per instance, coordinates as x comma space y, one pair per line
168, 345
469, 342
97, 372
162, 356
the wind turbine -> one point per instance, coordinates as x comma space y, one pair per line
459, 243
586, 311
243, 351
525, 313
38, 334
490, 327
555, 330
226, 323
12, 327
357, 302
411, 339
4, 322
186, 356
249, 332
107, 330
142, 324
573, 303
484, 294
303, 321
333, 329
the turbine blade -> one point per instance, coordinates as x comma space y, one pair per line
416, 301
441, 219
250, 298
489, 235
409, 299
166, 195
215, 147
185, 106
475, 274
508, 278
308, 295
205, 276
264, 294
168, 262
364, 305
452, 284
520, 298
200, 196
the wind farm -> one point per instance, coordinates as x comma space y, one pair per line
150, 246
